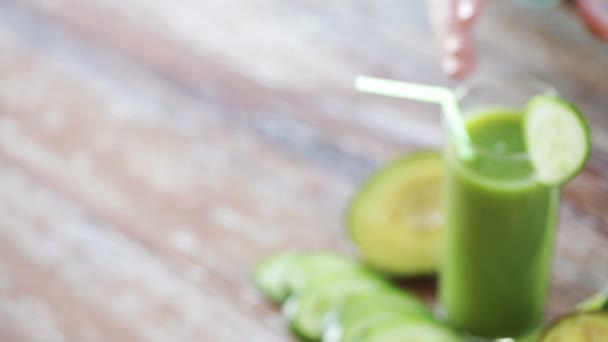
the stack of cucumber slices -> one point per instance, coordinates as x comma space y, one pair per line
328, 297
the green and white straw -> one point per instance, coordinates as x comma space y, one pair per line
426, 93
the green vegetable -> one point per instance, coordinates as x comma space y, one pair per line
557, 139
270, 275
309, 310
395, 219
578, 327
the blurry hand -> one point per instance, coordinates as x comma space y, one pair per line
594, 14
452, 22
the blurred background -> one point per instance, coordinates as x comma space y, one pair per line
152, 151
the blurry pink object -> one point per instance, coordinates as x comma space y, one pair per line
452, 22
594, 14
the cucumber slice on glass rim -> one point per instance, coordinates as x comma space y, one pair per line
557, 139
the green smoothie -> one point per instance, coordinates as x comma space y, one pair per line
499, 234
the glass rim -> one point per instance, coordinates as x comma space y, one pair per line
465, 88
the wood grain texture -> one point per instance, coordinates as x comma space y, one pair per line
151, 152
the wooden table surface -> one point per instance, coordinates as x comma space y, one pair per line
151, 151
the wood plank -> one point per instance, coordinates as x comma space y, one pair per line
103, 283
77, 153
36, 307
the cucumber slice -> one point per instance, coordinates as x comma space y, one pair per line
270, 275
582, 327
405, 330
557, 138
316, 265
309, 310
395, 219
598, 301
359, 306
357, 312
357, 329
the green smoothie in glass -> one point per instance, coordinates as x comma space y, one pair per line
505, 166
500, 227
